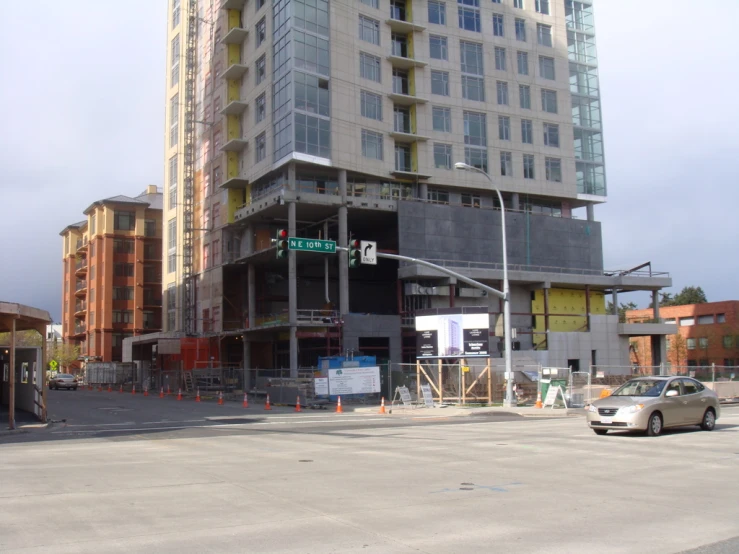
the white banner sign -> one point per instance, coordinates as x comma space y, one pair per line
321, 386
354, 380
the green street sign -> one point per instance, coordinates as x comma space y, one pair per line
311, 245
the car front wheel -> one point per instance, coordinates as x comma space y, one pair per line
709, 420
654, 427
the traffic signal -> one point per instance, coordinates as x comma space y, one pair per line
281, 243
355, 253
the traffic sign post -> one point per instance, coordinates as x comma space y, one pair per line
369, 252
311, 245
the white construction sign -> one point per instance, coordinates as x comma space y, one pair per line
354, 380
320, 386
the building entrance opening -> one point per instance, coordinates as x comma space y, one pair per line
574, 365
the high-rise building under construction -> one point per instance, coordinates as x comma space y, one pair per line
344, 119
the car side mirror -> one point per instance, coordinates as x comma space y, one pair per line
671, 393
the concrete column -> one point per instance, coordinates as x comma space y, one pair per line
614, 300
292, 277
343, 241
247, 362
423, 191
11, 378
655, 304
587, 306
591, 212
515, 201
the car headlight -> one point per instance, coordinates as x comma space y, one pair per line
592, 408
632, 409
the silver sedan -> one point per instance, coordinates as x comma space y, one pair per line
63, 381
652, 404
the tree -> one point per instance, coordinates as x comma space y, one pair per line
65, 354
622, 309
677, 352
22, 338
689, 295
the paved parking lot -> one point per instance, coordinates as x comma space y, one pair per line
304, 483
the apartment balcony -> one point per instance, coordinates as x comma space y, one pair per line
80, 268
82, 246
405, 99
80, 309
233, 4
235, 35
409, 174
79, 331
235, 145
407, 137
404, 62
81, 288
234, 71
404, 26
234, 107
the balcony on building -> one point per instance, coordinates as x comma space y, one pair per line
82, 245
234, 71
234, 107
80, 288
80, 308
401, 53
79, 331
235, 34
80, 267
400, 20
236, 144
403, 130
404, 163
232, 4
403, 90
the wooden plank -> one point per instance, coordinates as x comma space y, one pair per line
431, 382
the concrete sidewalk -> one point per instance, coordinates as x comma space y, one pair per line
458, 411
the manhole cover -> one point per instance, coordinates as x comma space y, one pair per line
305, 460
466, 488
467, 484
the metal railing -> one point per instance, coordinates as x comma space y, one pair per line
462, 264
312, 317
81, 285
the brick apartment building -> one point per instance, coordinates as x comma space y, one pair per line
709, 334
112, 277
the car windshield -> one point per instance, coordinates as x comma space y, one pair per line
641, 387
65, 376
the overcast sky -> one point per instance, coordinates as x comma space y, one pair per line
82, 112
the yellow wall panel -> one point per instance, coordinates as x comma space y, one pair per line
564, 302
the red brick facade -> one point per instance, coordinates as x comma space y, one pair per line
708, 334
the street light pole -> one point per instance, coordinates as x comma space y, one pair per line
509, 399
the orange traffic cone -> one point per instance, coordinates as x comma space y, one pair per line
89, 387
146, 391
220, 398
538, 401
246, 401
161, 392
100, 388
339, 410
168, 391
297, 405
266, 405
110, 389
382, 406
133, 390
197, 396
121, 391
179, 394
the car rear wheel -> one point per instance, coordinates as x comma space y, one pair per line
600, 431
654, 427
709, 420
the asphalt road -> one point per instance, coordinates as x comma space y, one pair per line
156, 474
